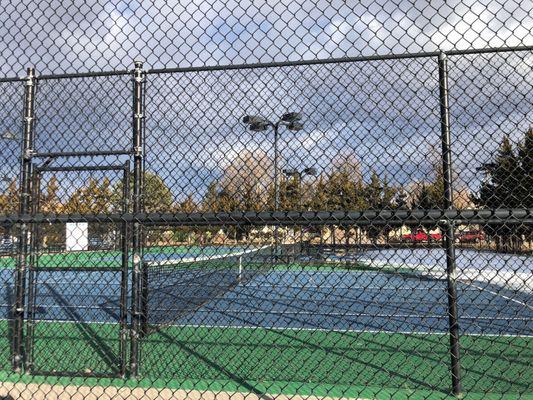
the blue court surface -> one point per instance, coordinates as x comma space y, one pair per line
490, 302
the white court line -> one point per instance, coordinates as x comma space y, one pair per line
497, 294
347, 330
305, 313
277, 328
336, 314
431, 269
281, 286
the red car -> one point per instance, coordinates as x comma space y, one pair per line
470, 237
421, 236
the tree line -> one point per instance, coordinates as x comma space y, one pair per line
247, 184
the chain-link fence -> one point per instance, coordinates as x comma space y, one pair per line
280, 201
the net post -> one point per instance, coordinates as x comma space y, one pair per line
24, 208
137, 276
448, 226
239, 277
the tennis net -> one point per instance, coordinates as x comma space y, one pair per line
177, 287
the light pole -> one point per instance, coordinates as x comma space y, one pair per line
298, 176
257, 123
5, 179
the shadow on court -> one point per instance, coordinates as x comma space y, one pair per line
89, 334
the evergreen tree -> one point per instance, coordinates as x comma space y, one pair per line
49, 201
188, 205
344, 186
508, 184
157, 196
9, 203
499, 190
319, 196
291, 193
9, 200
379, 195
94, 198
431, 194
525, 179
211, 197
52, 235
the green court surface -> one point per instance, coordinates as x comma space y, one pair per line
305, 362
100, 258
112, 259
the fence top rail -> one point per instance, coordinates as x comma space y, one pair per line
341, 60
12, 79
117, 167
90, 74
59, 154
275, 64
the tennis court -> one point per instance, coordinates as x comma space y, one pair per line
227, 319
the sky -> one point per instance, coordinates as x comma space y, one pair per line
386, 113
85, 35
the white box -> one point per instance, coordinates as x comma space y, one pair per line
77, 237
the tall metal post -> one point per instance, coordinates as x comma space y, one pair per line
32, 268
124, 246
276, 188
136, 279
276, 167
25, 204
449, 227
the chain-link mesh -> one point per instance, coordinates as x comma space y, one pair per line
282, 200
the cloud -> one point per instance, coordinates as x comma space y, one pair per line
386, 112
91, 35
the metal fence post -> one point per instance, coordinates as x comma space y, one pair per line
136, 279
25, 204
124, 246
448, 227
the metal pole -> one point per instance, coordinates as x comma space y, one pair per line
449, 227
32, 270
300, 208
25, 183
124, 274
276, 189
276, 166
136, 279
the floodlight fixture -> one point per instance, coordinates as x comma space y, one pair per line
486, 167
290, 172
291, 117
295, 126
258, 126
9, 135
306, 171
253, 119
311, 171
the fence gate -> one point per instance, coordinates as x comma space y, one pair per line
77, 302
